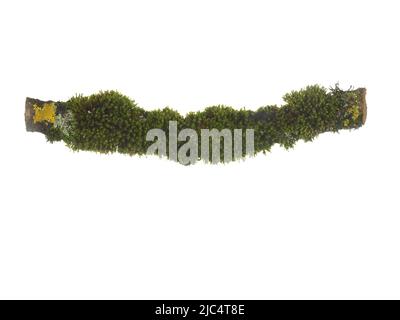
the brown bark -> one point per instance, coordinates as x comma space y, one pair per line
363, 104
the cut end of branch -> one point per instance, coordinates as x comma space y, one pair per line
39, 115
363, 103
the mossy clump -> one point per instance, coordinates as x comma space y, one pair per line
111, 122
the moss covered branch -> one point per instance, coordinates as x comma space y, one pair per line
111, 122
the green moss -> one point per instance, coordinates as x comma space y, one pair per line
111, 122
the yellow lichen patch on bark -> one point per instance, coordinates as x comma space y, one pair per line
45, 113
354, 112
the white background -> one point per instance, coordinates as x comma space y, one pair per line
318, 221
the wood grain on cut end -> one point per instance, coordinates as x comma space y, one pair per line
363, 104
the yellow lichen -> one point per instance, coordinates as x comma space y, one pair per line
354, 112
45, 113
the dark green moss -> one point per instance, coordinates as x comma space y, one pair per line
111, 122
